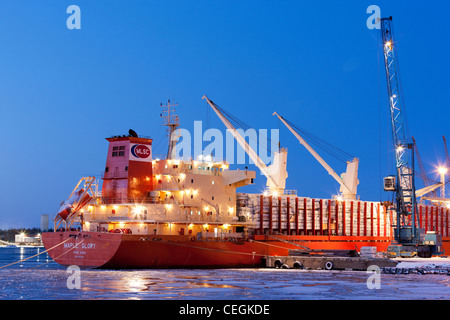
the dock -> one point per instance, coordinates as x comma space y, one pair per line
6, 243
328, 260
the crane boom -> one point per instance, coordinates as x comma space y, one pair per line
330, 170
275, 184
428, 189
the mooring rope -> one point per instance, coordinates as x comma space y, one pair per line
227, 251
210, 249
35, 254
40, 265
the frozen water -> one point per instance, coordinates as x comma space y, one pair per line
41, 278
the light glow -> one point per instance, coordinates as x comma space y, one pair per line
442, 170
138, 210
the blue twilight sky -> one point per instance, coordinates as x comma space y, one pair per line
315, 62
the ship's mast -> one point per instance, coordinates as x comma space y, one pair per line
171, 120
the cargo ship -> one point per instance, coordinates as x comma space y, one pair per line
188, 213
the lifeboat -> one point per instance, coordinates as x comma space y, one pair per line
77, 201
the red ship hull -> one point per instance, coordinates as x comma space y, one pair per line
116, 251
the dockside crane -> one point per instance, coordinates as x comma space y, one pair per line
409, 239
442, 200
428, 187
423, 173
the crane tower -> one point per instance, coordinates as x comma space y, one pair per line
408, 237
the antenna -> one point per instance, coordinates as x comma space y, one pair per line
171, 120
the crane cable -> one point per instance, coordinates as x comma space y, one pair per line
332, 150
269, 147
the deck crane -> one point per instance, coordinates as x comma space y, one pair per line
276, 173
349, 182
408, 237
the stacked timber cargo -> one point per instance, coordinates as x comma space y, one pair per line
434, 218
294, 215
334, 224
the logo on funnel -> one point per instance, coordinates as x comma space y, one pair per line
140, 151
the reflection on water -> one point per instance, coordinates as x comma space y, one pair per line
41, 278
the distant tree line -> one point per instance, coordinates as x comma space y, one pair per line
10, 234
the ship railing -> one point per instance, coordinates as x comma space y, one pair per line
134, 200
202, 217
221, 236
190, 159
127, 135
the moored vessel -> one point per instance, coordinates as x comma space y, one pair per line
187, 213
